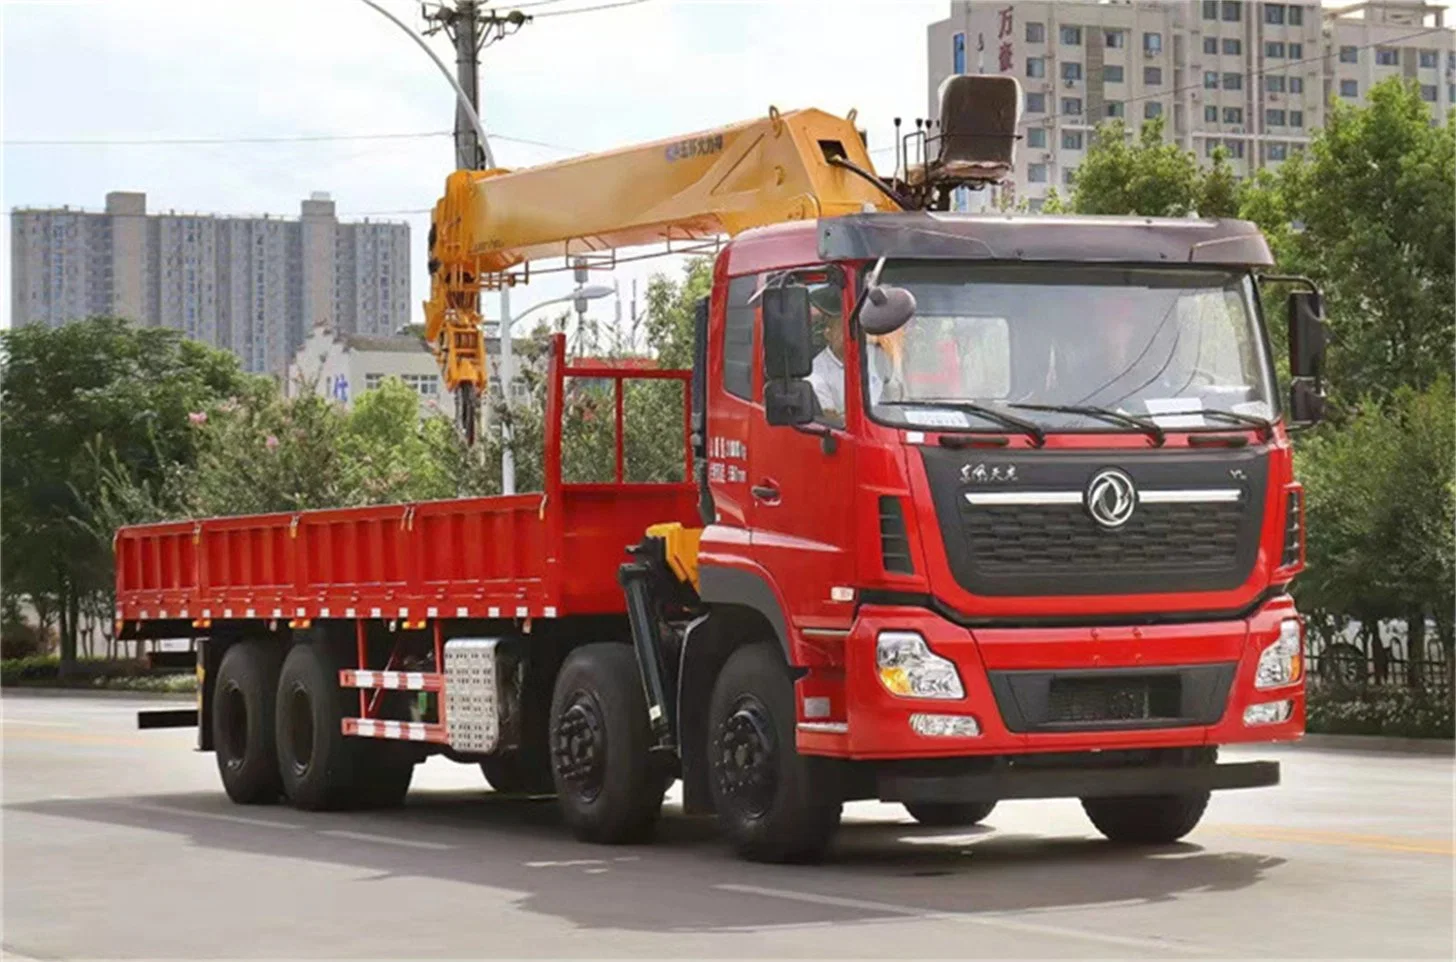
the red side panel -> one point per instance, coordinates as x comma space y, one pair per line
533, 555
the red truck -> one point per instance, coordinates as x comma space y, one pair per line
973, 508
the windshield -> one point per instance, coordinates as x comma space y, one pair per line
1161, 343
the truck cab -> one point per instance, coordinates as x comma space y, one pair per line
1051, 513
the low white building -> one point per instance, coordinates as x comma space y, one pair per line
343, 366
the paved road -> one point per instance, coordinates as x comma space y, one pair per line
119, 843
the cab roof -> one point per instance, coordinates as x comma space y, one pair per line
1006, 237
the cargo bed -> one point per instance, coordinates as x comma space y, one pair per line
541, 555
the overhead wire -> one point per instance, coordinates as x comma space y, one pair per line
603, 6
285, 139
1158, 94
1283, 66
173, 141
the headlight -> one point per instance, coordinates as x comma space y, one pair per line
945, 726
1268, 713
909, 668
1282, 663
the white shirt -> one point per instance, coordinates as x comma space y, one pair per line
826, 375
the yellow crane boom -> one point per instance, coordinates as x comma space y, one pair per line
715, 182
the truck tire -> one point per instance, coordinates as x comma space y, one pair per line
949, 814
322, 770
1146, 820
607, 783
384, 780
519, 773
242, 723
774, 804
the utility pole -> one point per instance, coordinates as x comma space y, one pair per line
471, 29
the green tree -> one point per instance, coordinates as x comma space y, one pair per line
1369, 211
1148, 175
1381, 515
671, 306
65, 394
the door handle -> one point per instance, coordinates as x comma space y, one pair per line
766, 491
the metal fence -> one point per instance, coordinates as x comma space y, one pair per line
1358, 654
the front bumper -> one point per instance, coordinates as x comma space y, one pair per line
1084, 781
1008, 672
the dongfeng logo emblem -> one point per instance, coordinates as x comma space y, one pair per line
1111, 498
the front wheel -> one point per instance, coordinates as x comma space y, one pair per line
774, 804
1146, 820
949, 814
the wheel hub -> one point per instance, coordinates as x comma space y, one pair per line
579, 746
748, 758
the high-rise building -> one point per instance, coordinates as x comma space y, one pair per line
252, 285
1252, 77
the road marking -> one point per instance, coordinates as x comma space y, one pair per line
566, 863
386, 840
215, 816
1388, 843
988, 920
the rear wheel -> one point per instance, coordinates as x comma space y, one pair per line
242, 723
607, 783
1146, 820
320, 768
949, 814
519, 773
774, 804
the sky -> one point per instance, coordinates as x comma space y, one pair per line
130, 69
135, 69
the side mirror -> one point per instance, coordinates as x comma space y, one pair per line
1306, 334
1306, 402
788, 402
885, 310
787, 351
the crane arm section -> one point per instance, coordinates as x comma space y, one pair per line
716, 182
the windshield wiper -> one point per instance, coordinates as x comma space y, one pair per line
1151, 428
1263, 424
1003, 418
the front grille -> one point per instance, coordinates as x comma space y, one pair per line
1004, 545
1045, 539
1121, 698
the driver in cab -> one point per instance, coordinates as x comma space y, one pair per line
826, 375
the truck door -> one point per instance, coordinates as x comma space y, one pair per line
801, 478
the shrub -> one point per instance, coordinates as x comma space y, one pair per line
20, 639
1379, 710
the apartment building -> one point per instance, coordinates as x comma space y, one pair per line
252, 285
1252, 77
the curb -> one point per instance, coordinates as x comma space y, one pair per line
48, 691
1378, 743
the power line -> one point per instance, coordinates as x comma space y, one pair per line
171, 141
318, 138
1285, 66
604, 6
1157, 95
